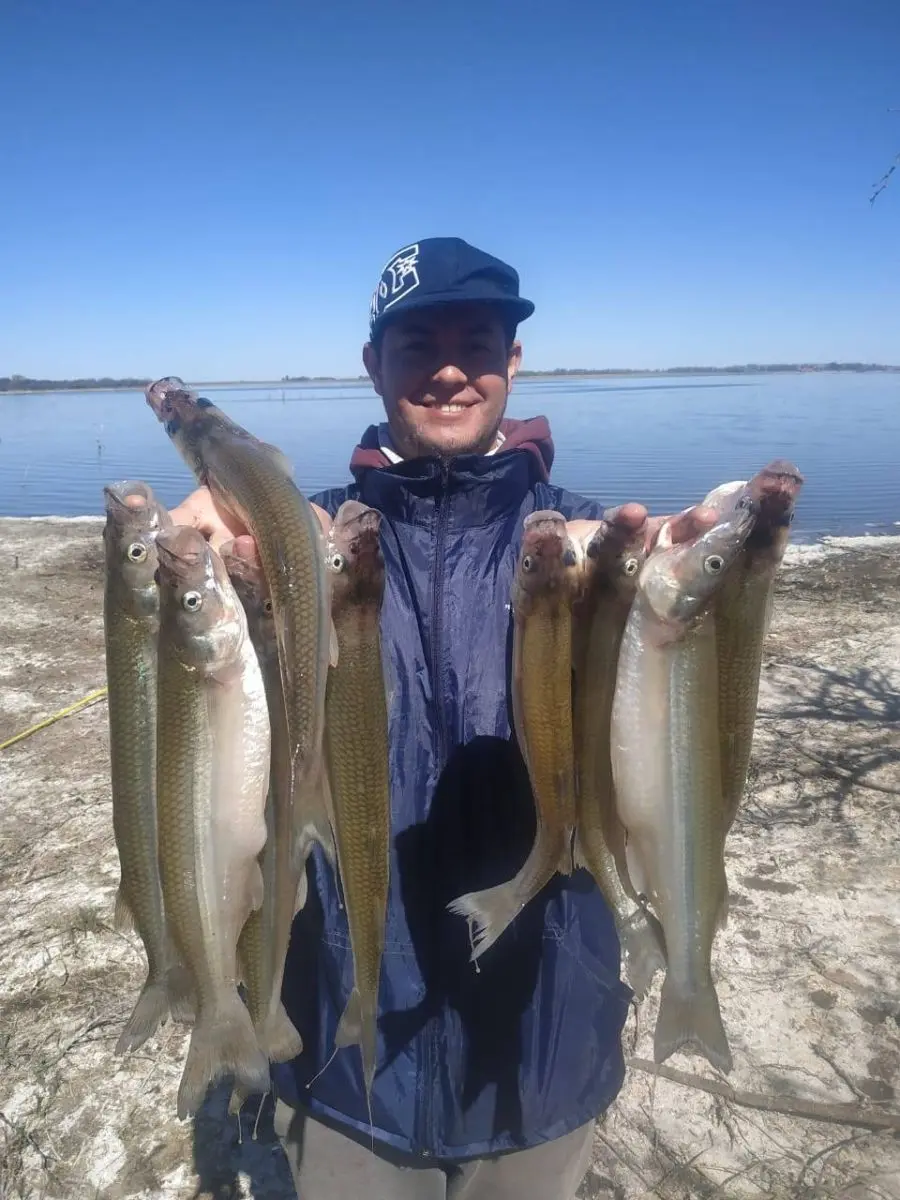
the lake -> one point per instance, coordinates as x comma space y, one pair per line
664, 442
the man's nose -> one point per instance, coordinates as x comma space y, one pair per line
450, 376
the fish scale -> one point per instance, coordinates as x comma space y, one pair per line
356, 737
131, 624
611, 561
263, 943
252, 480
212, 777
667, 771
546, 583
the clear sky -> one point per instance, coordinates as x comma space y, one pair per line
211, 187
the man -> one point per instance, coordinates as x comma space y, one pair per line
489, 1077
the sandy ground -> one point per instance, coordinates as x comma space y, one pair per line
808, 968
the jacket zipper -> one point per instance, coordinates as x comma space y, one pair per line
437, 610
442, 513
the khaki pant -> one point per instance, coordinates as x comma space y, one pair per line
329, 1165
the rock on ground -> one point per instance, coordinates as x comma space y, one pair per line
807, 969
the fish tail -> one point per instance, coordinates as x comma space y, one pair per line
358, 1026
165, 994
223, 1042
150, 1011
491, 912
123, 920
643, 947
691, 1020
277, 1037
180, 989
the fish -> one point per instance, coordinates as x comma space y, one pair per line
743, 609
212, 771
253, 482
613, 556
356, 741
545, 585
131, 623
262, 945
667, 771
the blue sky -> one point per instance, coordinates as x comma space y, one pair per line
212, 189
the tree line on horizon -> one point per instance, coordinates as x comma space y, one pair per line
23, 383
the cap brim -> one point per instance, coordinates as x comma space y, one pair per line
516, 306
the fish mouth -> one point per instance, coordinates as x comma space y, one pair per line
182, 551
773, 492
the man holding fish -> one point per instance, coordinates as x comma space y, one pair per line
489, 1076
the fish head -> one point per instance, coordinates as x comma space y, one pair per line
550, 560
185, 416
134, 517
199, 609
773, 492
679, 579
614, 554
353, 555
245, 570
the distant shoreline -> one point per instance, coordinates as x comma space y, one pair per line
300, 381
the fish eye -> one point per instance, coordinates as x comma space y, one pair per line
136, 552
527, 563
631, 566
267, 608
191, 601
713, 564
336, 562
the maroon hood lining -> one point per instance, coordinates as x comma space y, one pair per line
531, 435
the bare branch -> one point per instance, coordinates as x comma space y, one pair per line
812, 1110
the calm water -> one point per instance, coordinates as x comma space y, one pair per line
665, 443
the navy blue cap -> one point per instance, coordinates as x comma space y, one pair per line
444, 271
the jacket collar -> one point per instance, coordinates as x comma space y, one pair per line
477, 488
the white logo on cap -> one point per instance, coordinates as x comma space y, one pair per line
398, 279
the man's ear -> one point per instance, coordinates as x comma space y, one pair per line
514, 361
372, 363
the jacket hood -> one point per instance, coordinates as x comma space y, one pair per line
532, 435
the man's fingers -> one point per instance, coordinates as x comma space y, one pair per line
627, 517
691, 523
324, 518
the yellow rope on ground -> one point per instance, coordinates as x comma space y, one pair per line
73, 708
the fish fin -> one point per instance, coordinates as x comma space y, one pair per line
236, 1102
358, 1026
493, 910
160, 998
123, 920
180, 988
255, 886
302, 891
278, 458
643, 948
277, 1037
692, 1020
579, 859
333, 652
223, 1042
566, 864
722, 914
314, 824
635, 869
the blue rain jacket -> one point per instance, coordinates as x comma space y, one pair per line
472, 1061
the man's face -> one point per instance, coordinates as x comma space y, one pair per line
444, 375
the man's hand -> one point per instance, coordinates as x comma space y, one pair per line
691, 523
218, 526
